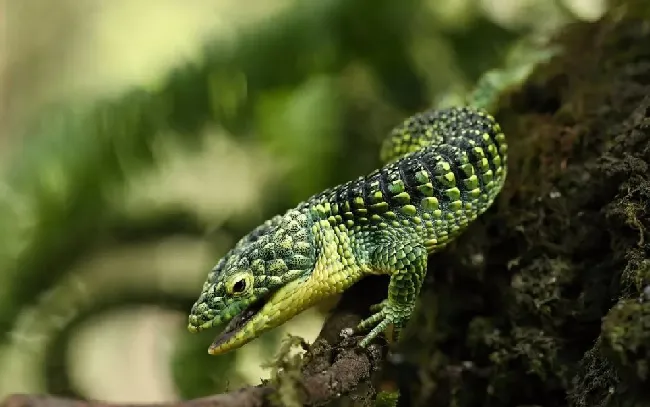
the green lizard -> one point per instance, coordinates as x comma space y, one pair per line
443, 168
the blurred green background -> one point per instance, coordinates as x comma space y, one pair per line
141, 138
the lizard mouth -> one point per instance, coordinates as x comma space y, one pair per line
266, 313
238, 322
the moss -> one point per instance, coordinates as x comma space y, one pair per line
387, 399
554, 311
596, 383
538, 287
626, 337
636, 276
286, 373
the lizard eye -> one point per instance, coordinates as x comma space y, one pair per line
239, 283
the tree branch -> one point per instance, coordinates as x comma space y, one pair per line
332, 367
247, 397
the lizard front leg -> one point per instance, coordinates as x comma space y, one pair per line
407, 265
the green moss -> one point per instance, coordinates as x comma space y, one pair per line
387, 399
286, 373
537, 288
636, 276
626, 337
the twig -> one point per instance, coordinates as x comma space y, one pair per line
333, 367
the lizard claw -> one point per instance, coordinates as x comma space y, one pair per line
378, 307
385, 315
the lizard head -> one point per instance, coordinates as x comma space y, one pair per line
245, 289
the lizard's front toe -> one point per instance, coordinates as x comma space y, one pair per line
386, 315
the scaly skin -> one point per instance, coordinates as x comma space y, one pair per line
443, 169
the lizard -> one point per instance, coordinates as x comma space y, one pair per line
442, 168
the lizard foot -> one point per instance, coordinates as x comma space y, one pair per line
386, 314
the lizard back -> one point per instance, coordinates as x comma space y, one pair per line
443, 169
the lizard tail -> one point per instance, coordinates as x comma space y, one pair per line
450, 162
438, 127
